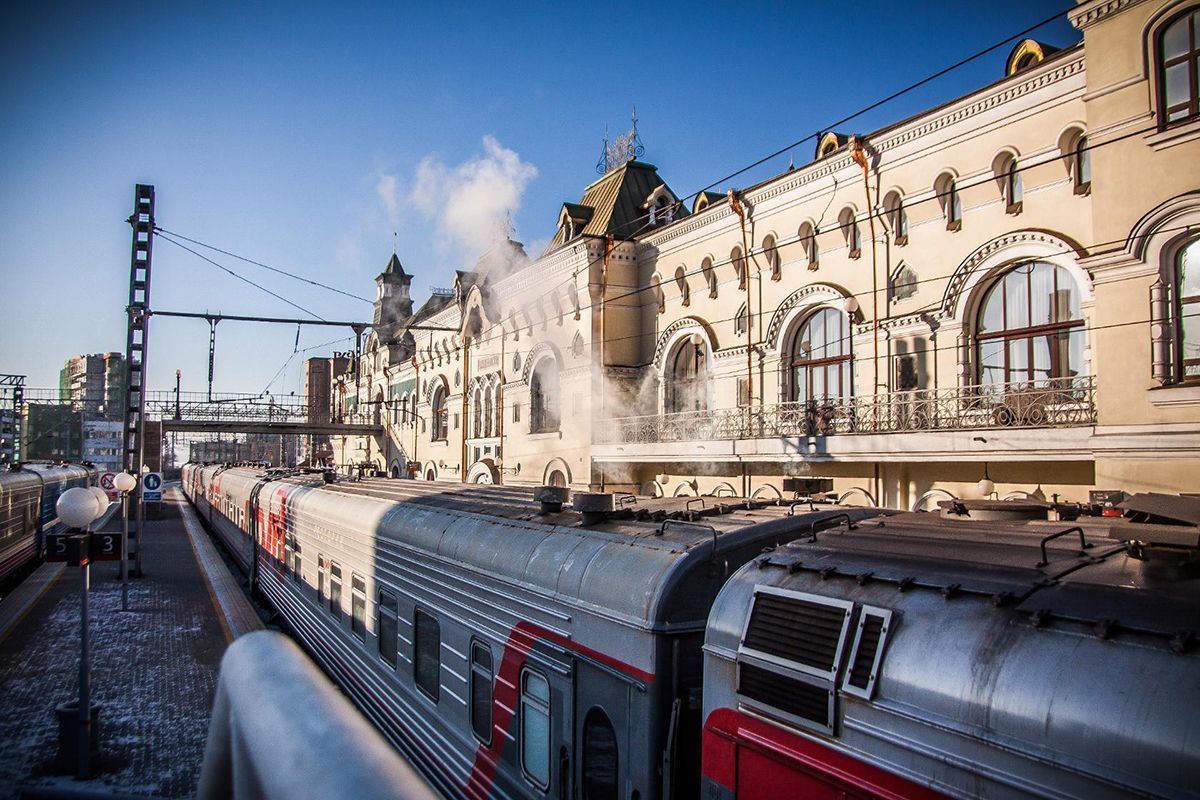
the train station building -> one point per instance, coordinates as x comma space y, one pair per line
1005, 287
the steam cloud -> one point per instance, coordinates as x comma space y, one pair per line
468, 203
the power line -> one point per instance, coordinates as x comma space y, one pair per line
240, 277
292, 275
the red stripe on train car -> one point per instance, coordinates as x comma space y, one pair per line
758, 761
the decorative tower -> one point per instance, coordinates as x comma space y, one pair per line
393, 304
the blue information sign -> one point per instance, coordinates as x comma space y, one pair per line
152, 487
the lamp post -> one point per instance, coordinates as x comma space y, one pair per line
124, 484
78, 507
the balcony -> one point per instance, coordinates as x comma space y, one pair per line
1056, 403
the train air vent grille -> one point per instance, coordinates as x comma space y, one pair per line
873, 627
790, 695
803, 630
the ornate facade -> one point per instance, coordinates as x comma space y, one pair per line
1006, 287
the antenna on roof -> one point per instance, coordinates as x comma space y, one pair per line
622, 150
393, 243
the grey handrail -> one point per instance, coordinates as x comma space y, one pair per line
281, 730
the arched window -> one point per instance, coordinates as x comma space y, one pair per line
477, 402
600, 757
738, 259
413, 408
660, 299
820, 358
1031, 327
687, 386
377, 410
897, 217
1083, 166
771, 254
1014, 191
1187, 311
543, 396
739, 321
710, 276
851, 231
1179, 69
438, 414
685, 293
489, 413
946, 189
808, 240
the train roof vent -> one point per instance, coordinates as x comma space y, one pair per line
795, 697
797, 630
867, 651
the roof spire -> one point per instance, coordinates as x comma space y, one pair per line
393, 242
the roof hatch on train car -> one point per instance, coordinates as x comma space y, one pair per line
789, 655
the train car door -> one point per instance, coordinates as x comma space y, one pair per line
602, 736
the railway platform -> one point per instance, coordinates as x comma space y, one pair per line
154, 667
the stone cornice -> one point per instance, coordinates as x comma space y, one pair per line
1088, 14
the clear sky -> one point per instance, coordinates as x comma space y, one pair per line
303, 135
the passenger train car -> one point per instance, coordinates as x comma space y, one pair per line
508, 652
28, 495
927, 656
516, 651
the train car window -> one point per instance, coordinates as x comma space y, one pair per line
427, 654
289, 545
535, 728
320, 578
335, 591
298, 575
481, 691
387, 627
358, 607
599, 757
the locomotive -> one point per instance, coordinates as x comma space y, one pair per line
511, 650
28, 494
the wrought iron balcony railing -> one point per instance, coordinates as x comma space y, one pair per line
1056, 403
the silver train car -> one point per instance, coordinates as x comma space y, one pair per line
28, 495
509, 651
939, 656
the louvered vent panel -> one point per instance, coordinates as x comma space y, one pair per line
864, 657
791, 696
796, 630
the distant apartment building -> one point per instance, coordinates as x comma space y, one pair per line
8, 431
101, 442
52, 432
94, 383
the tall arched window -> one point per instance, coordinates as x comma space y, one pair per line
820, 358
1187, 311
851, 232
600, 757
1014, 190
685, 293
543, 396
771, 254
438, 417
808, 239
710, 276
1179, 70
687, 385
1031, 327
477, 402
377, 410
897, 217
946, 188
738, 259
488, 412
1083, 166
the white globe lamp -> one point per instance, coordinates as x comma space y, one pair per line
101, 498
77, 507
986, 487
124, 482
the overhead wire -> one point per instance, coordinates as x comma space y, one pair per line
297, 306
294, 276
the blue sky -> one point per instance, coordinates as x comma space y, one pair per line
304, 135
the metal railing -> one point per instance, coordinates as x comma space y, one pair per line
281, 730
1056, 403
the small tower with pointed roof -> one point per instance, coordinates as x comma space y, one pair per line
393, 303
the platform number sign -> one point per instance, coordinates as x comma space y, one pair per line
152, 487
106, 546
